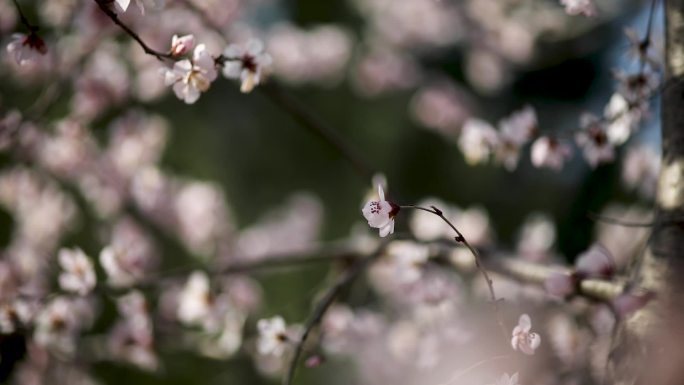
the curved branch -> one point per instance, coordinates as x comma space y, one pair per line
324, 304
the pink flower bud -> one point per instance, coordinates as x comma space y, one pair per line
182, 45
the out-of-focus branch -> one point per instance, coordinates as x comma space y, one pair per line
324, 304
306, 118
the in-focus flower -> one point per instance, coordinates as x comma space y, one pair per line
579, 7
273, 338
26, 49
182, 45
78, 275
597, 262
508, 380
549, 152
191, 77
524, 340
246, 63
380, 214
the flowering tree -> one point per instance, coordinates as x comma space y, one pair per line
119, 263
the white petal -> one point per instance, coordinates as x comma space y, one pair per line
387, 229
525, 323
232, 69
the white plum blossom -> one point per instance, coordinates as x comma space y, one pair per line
380, 213
78, 274
507, 380
550, 152
191, 77
523, 339
622, 118
195, 301
26, 49
60, 321
273, 338
477, 140
181, 45
131, 339
594, 141
247, 63
514, 132
408, 259
579, 7
597, 262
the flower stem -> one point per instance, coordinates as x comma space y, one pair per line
459, 238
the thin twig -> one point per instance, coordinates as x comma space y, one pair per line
24, 20
115, 18
322, 307
478, 263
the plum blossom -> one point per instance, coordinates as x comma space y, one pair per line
408, 259
26, 49
191, 77
380, 214
514, 132
597, 262
246, 63
195, 300
630, 302
131, 339
273, 338
623, 118
560, 284
59, 323
550, 152
524, 340
594, 141
477, 140
579, 7
181, 45
507, 380
78, 274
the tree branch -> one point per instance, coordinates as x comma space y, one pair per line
115, 18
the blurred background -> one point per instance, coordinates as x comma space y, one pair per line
397, 81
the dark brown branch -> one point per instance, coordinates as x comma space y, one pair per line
24, 20
322, 307
478, 263
115, 18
